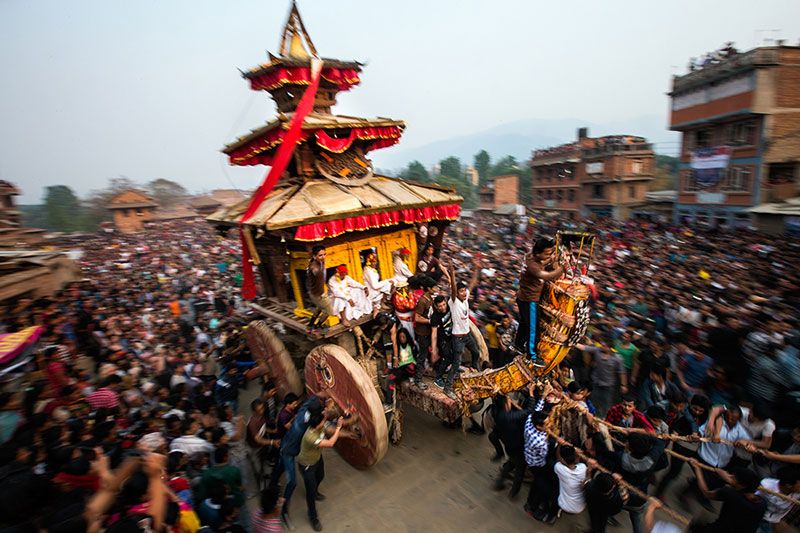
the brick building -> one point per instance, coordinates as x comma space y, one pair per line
500, 190
593, 176
131, 209
739, 116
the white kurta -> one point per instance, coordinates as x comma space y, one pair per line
401, 270
342, 291
377, 287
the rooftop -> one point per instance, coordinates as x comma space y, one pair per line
724, 64
791, 207
314, 121
322, 200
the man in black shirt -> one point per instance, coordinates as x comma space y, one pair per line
742, 508
441, 338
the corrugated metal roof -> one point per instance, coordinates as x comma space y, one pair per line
321, 200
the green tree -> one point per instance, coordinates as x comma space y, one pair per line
63, 209
483, 164
665, 173
462, 187
415, 171
451, 167
505, 166
166, 192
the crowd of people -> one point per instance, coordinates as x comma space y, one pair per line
132, 420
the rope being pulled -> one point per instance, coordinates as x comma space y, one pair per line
571, 404
580, 453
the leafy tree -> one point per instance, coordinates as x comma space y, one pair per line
451, 167
415, 171
483, 164
526, 185
505, 166
63, 210
166, 192
665, 173
462, 187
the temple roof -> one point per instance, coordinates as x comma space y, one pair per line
314, 121
132, 198
275, 61
322, 200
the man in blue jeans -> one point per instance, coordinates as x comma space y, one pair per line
460, 332
531, 283
290, 447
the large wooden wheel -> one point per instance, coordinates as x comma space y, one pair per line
272, 358
331, 370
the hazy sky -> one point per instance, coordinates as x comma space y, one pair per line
146, 89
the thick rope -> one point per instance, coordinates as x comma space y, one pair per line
580, 453
571, 404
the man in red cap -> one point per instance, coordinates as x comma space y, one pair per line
349, 297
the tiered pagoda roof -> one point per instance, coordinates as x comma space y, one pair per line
329, 188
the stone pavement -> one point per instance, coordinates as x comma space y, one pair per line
436, 479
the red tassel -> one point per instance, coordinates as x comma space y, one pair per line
248, 279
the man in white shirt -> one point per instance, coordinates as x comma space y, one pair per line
787, 483
571, 477
759, 428
401, 270
377, 288
189, 443
459, 311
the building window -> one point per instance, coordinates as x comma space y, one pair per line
631, 191
736, 179
636, 166
742, 133
559, 194
540, 194
571, 195
549, 194
702, 138
139, 212
598, 191
689, 181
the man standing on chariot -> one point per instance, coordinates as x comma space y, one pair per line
315, 286
531, 282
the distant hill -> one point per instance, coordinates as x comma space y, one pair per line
519, 138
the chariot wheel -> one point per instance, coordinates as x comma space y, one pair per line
330, 370
272, 359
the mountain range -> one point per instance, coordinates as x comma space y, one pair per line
520, 137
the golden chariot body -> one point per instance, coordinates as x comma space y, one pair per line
330, 195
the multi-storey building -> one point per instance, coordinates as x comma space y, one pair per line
740, 122
500, 190
599, 176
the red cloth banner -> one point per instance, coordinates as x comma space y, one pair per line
334, 228
258, 151
343, 78
281, 161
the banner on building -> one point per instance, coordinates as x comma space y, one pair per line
708, 165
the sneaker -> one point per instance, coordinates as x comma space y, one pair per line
527, 510
539, 515
316, 524
287, 522
550, 519
320, 497
421, 385
439, 382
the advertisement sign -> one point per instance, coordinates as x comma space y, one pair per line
710, 198
594, 168
707, 165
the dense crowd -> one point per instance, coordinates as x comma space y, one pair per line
132, 419
693, 334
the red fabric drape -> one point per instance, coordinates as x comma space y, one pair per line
281, 161
257, 151
343, 78
334, 228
